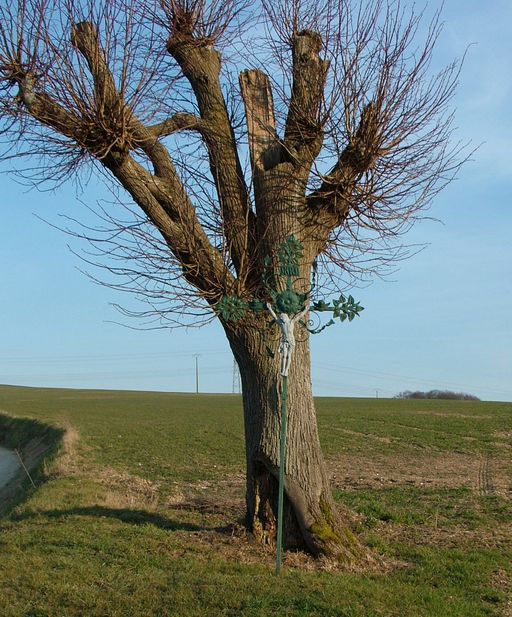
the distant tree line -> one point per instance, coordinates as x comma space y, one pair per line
437, 394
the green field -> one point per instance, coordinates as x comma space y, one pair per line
140, 514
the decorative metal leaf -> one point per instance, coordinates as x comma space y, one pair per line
231, 308
321, 306
289, 254
256, 306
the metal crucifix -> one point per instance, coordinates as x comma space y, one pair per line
287, 309
287, 345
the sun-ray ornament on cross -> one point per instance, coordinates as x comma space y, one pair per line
287, 309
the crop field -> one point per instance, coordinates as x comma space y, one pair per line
140, 513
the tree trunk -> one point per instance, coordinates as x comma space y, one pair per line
311, 519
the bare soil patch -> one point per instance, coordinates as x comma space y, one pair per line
483, 473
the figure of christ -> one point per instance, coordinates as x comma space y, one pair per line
287, 345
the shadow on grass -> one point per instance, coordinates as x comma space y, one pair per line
133, 517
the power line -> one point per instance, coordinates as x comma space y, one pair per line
108, 357
416, 380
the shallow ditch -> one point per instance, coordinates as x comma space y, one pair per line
25, 445
9, 466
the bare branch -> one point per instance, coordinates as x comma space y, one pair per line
178, 122
48, 112
357, 157
201, 64
304, 128
84, 36
264, 144
168, 207
163, 198
346, 135
387, 128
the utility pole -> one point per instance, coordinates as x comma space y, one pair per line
196, 356
376, 394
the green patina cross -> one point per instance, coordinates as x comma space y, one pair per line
288, 301
287, 309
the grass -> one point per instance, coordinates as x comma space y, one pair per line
136, 517
406, 425
164, 436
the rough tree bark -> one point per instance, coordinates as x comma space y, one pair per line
312, 521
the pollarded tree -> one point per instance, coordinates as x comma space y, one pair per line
339, 138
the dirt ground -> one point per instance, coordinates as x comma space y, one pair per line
484, 474
488, 475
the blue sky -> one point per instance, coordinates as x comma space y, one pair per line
444, 320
